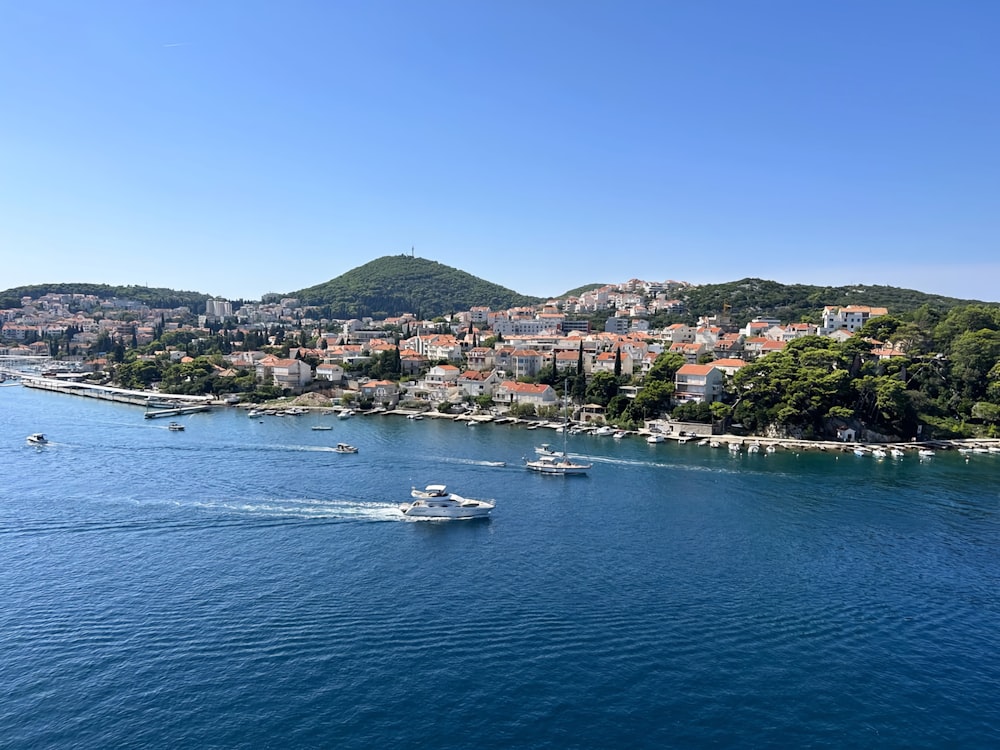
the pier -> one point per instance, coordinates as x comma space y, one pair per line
180, 404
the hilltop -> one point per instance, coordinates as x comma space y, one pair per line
395, 284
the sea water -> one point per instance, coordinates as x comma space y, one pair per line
239, 584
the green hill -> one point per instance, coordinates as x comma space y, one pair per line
395, 284
749, 298
153, 297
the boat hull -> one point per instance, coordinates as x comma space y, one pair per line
422, 509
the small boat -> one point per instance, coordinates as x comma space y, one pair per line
926, 453
604, 430
494, 463
754, 448
770, 448
37, 438
619, 434
545, 449
345, 448
879, 452
735, 447
321, 427
414, 416
346, 413
655, 438
557, 465
175, 427
435, 501
896, 453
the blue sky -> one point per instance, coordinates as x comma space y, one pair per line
238, 148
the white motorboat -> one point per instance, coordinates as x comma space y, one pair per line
770, 448
546, 449
754, 448
604, 430
37, 438
879, 452
655, 437
925, 453
321, 427
175, 427
346, 413
435, 501
557, 465
896, 453
345, 448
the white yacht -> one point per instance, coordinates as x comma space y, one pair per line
345, 448
435, 501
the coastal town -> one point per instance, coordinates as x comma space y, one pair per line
491, 361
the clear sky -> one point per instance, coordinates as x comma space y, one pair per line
241, 147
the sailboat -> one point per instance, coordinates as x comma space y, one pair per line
554, 462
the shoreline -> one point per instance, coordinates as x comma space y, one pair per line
724, 440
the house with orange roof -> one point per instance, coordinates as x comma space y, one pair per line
510, 392
849, 318
690, 352
480, 358
729, 365
476, 383
380, 391
284, 373
329, 371
605, 362
698, 383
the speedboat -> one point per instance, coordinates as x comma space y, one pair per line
655, 437
175, 427
557, 465
37, 438
435, 501
321, 427
346, 413
345, 448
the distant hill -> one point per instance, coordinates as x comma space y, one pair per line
750, 297
153, 297
395, 284
580, 290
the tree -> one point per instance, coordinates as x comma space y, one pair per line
665, 367
602, 388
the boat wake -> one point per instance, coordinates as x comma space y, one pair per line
303, 509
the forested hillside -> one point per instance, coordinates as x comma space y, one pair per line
792, 303
395, 284
152, 297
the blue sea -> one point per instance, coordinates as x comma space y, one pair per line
240, 585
